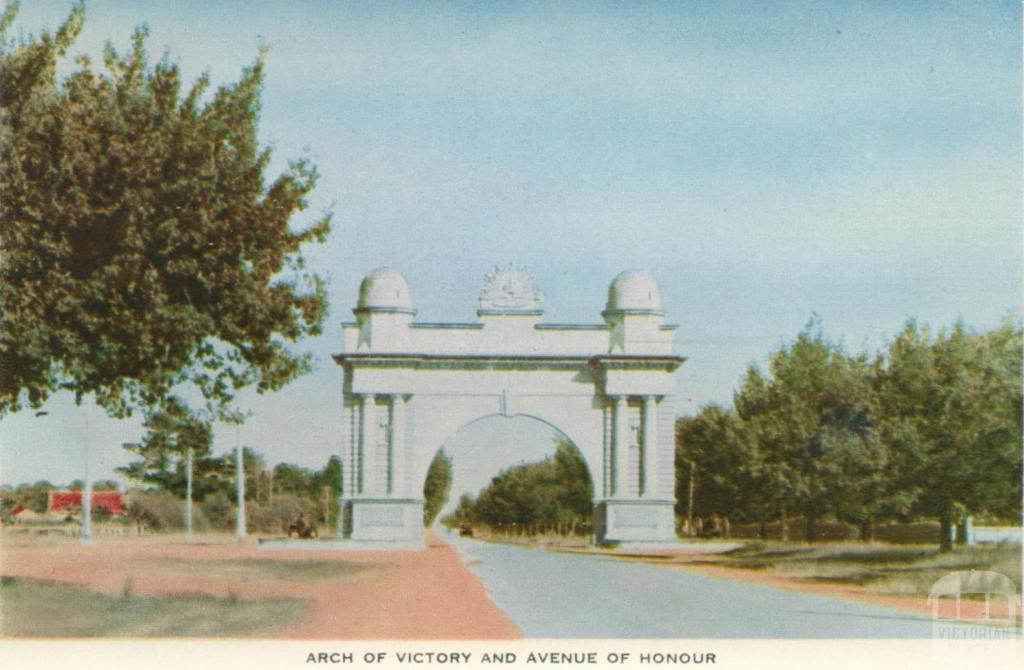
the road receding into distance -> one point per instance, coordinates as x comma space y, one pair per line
563, 595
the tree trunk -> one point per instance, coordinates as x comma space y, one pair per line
945, 528
867, 530
762, 530
811, 528
784, 520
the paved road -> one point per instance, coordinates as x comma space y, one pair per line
552, 595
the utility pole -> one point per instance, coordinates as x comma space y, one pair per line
188, 496
86, 490
240, 476
689, 495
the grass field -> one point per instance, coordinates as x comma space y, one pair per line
31, 608
888, 569
265, 569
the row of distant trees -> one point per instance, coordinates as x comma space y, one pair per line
274, 495
173, 430
930, 427
552, 495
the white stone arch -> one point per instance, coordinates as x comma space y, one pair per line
409, 387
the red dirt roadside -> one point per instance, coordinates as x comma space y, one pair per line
408, 595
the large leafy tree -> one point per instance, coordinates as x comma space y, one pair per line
142, 245
955, 402
715, 466
813, 424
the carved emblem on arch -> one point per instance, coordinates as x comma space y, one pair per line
510, 289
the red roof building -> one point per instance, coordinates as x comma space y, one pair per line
112, 501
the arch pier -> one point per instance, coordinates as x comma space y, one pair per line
409, 386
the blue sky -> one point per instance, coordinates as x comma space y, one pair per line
764, 163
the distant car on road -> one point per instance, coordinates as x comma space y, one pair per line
466, 530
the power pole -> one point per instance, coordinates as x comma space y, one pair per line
188, 496
86, 490
689, 495
240, 476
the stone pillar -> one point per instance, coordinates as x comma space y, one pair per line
351, 482
648, 458
382, 513
607, 462
368, 445
621, 448
397, 478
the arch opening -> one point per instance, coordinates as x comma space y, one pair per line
516, 476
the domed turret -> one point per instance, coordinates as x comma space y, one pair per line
633, 292
384, 290
634, 314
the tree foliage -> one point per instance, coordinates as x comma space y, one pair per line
714, 444
142, 247
812, 422
931, 428
291, 479
553, 494
172, 430
35, 496
436, 487
955, 401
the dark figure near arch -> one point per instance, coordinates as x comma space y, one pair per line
303, 529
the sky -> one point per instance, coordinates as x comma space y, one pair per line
764, 163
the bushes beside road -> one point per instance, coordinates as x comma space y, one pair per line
161, 511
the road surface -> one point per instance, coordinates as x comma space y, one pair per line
556, 595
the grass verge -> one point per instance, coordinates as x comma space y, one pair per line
259, 569
887, 569
31, 608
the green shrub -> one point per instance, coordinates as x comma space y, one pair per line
156, 510
218, 512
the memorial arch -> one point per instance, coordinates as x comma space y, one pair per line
409, 386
